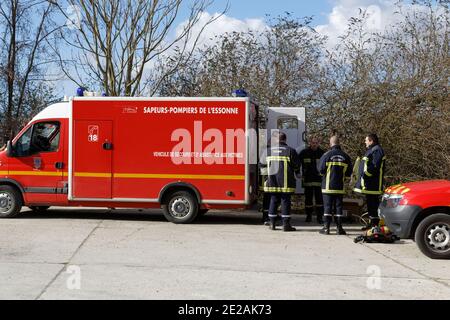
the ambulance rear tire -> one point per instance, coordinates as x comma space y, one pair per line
10, 201
180, 207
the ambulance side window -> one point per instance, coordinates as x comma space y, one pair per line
287, 123
22, 146
45, 137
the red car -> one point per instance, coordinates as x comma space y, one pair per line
420, 211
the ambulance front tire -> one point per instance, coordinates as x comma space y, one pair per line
180, 207
10, 201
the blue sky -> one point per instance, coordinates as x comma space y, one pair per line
330, 18
243, 9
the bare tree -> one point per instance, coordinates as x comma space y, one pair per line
394, 83
23, 61
114, 41
278, 65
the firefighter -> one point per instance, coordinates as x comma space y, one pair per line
370, 177
335, 165
312, 181
282, 163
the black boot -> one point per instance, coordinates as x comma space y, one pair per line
272, 224
265, 218
340, 230
308, 218
287, 225
326, 226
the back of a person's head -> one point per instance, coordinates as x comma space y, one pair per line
334, 140
279, 137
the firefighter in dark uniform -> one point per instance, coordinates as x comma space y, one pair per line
311, 180
335, 165
282, 163
371, 177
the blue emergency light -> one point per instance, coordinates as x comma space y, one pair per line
80, 92
241, 93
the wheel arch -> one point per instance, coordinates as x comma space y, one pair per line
14, 184
425, 213
178, 186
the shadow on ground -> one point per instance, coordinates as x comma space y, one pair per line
155, 215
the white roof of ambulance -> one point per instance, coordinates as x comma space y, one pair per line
58, 110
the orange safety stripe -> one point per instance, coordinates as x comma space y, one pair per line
124, 175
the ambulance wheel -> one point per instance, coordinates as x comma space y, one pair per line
39, 209
10, 202
433, 236
180, 207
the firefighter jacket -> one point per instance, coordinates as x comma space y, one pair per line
371, 172
334, 166
282, 163
309, 160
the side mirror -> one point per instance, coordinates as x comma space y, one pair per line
9, 149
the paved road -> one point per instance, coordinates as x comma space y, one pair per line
129, 255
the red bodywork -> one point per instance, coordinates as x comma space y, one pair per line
425, 194
118, 153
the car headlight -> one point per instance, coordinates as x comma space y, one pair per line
392, 200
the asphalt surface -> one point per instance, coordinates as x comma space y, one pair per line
125, 254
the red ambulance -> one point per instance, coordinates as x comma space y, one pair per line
186, 155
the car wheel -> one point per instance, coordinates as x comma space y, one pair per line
10, 202
180, 207
433, 236
39, 209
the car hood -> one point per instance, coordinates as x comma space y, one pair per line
421, 186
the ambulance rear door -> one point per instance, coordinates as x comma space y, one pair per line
292, 122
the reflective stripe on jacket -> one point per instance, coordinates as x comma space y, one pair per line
282, 163
334, 166
371, 172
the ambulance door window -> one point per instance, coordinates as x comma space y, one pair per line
22, 146
287, 123
45, 137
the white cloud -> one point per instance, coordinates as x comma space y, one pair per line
222, 24
381, 13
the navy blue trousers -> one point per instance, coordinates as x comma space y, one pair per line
275, 199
